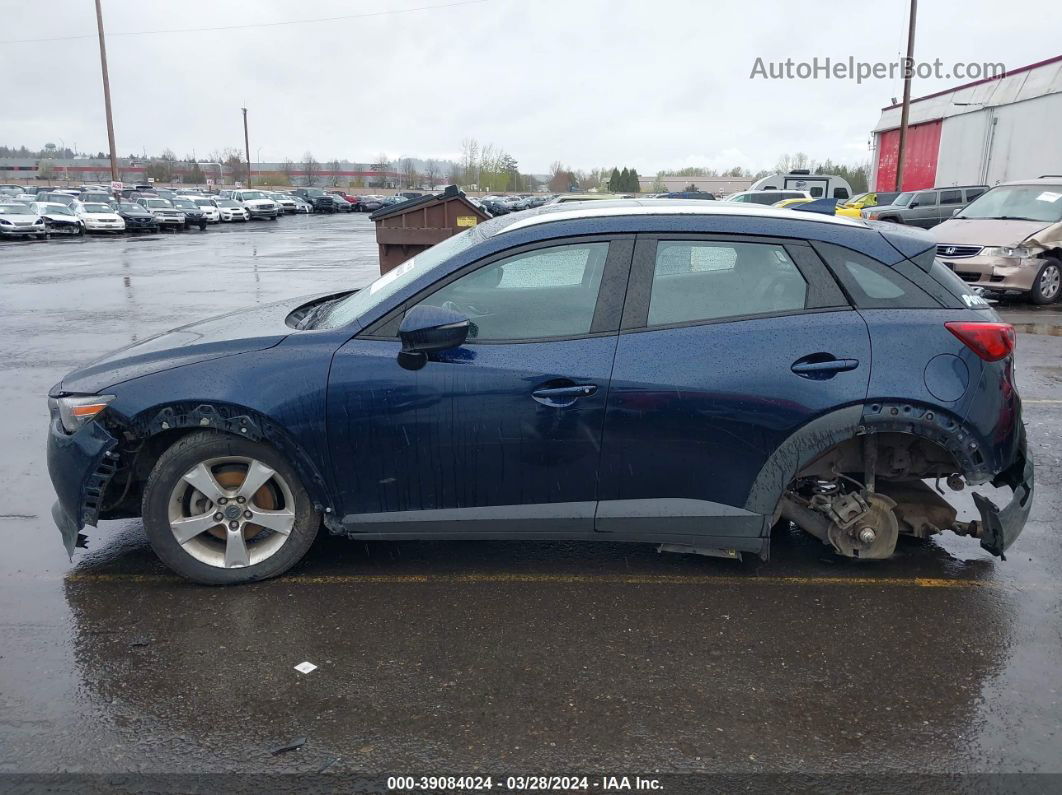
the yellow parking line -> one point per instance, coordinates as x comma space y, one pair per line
567, 579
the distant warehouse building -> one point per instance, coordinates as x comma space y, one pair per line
985, 132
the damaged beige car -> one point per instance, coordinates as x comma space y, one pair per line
1009, 241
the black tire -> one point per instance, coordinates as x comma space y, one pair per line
893, 219
1037, 294
194, 449
41, 236
202, 226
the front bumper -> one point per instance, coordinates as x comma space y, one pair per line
170, 220
261, 212
23, 229
1001, 526
62, 227
998, 274
80, 465
104, 226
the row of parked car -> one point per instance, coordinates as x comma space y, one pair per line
41, 211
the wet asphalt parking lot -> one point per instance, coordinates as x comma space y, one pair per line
481, 657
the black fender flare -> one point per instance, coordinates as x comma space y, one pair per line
823, 433
238, 421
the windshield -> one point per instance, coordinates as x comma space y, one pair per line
14, 209
130, 208
186, 204
253, 194
56, 209
227, 203
204, 202
98, 208
353, 306
903, 199
1018, 202
157, 203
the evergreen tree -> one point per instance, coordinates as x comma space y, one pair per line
614, 181
635, 186
624, 180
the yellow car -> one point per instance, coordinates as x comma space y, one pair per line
792, 202
861, 201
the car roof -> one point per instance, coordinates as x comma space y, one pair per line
643, 207
1052, 181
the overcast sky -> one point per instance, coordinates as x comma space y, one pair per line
648, 83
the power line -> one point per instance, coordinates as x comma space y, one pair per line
253, 25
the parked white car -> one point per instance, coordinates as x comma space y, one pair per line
99, 217
209, 208
59, 219
21, 219
231, 210
257, 203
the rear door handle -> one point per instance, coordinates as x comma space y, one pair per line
817, 366
560, 396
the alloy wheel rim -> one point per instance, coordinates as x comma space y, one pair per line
231, 512
1050, 280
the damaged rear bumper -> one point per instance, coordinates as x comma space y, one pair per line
1001, 526
80, 465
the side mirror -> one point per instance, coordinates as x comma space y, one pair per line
913, 204
426, 329
956, 212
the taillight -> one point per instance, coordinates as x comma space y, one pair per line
990, 341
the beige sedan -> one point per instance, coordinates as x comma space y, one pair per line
1009, 240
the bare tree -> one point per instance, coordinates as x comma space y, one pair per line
409, 173
381, 167
334, 167
311, 169
431, 172
288, 169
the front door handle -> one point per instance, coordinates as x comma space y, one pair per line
820, 366
561, 396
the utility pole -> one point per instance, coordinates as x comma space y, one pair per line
905, 112
107, 94
247, 146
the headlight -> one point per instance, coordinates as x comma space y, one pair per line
5, 223
39, 221
75, 411
1019, 252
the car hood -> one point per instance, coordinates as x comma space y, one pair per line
243, 331
18, 219
101, 216
258, 202
985, 231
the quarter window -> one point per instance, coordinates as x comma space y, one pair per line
549, 292
695, 281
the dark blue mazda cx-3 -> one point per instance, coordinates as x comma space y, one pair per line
682, 373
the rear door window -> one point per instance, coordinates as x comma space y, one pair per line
702, 281
951, 197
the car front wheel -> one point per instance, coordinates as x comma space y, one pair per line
222, 510
1048, 283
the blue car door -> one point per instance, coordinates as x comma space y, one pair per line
728, 345
502, 434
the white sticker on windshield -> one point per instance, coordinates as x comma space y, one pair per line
391, 275
1049, 196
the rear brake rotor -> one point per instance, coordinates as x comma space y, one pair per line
873, 536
